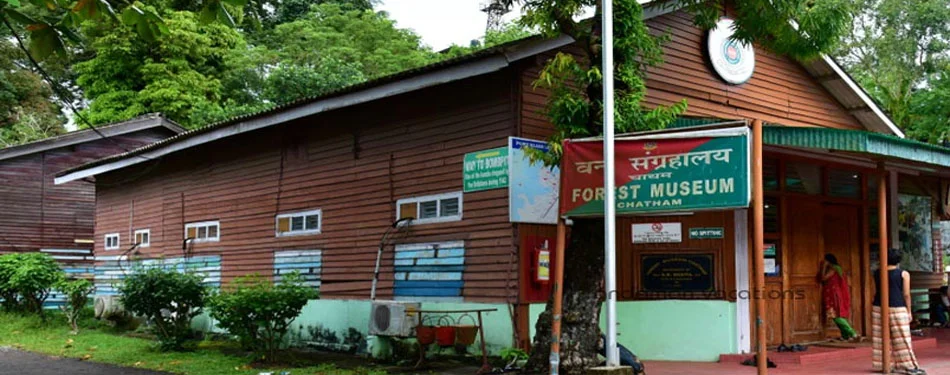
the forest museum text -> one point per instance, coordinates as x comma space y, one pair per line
661, 194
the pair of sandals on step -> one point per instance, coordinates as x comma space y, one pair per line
794, 348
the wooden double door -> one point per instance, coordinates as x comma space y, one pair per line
814, 229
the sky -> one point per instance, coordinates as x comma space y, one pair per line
441, 23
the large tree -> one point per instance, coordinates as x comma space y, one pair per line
799, 28
930, 108
351, 36
170, 56
895, 49
329, 47
28, 110
173, 73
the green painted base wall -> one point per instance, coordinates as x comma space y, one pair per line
672, 330
340, 315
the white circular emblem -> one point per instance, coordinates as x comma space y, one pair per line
732, 60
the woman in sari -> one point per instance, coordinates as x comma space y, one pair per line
836, 296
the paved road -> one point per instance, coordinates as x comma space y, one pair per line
15, 362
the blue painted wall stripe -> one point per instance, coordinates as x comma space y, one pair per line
429, 284
429, 270
309, 263
427, 292
108, 273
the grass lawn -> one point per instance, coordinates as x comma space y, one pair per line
108, 346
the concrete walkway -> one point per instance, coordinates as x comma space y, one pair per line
935, 360
15, 362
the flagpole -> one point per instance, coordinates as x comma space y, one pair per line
610, 224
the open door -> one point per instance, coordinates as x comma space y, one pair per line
814, 230
843, 239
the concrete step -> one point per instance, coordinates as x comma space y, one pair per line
823, 354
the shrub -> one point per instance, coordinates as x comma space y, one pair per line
260, 313
77, 297
168, 299
7, 293
26, 280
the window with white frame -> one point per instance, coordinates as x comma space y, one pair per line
143, 237
205, 231
112, 241
299, 223
431, 209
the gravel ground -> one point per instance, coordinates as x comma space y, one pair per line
15, 362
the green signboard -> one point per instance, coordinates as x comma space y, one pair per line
486, 170
706, 233
692, 171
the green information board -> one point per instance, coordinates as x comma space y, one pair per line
659, 175
486, 170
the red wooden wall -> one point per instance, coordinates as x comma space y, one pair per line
353, 164
36, 214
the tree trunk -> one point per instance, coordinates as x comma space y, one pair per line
583, 297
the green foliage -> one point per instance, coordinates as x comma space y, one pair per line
28, 111
198, 73
511, 355
77, 298
367, 39
802, 29
287, 83
260, 313
898, 51
104, 345
168, 299
26, 280
8, 266
175, 74
507, 33
575, 104
56, 25
931, 111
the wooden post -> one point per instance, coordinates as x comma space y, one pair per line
758, 236
883, 290
560, 244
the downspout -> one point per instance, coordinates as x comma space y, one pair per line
379, 253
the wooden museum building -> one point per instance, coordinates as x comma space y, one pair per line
317, 185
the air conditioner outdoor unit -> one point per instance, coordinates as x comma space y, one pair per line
392, 318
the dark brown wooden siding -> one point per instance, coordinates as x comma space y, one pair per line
780, 91
36, 214
352, 164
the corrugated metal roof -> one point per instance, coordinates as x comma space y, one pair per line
147, 121
441, 65
857, 141
826, 71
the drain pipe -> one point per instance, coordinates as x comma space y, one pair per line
379, 253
